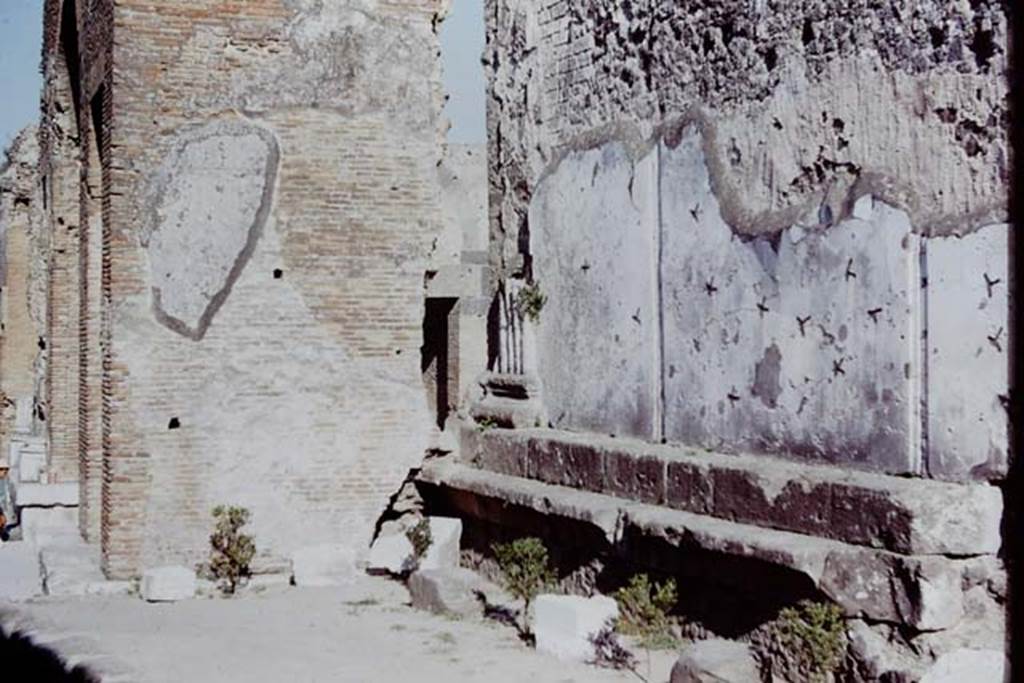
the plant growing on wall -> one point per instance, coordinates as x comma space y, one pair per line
526, 572
486, 423
644, 611
530, 301
231, 551
420, 538
805, 643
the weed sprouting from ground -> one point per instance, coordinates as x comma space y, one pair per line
231, 551
526, 572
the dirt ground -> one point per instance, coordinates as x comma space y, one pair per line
363, 632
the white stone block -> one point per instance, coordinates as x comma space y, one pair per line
323, 565
168, 584
47, 495
392, 554
30, 461
565, 624
445, 537
41, 525
19, 571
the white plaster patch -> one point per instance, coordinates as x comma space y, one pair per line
209, 202
968, 343
805, 345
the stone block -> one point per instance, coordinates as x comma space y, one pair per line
497, 450
41, 525
445, 544
593, 227
577, 465
634, 476
964, 665
688, 487
168, 584
323, 565
936, 593
29, 459
565, 624
716, 661
391, 554
968, 372
47, 495
446, 591
770, 498
19, 572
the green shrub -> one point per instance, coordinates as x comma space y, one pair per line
486, 423
420, 538
231, 551
526, 571
805, 643
644, 611
530, 301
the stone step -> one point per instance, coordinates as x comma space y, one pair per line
906, 516
923, 593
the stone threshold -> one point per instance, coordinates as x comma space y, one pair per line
902, 515
921, 593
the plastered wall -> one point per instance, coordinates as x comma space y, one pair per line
770, 228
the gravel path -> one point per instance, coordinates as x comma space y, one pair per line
365, 632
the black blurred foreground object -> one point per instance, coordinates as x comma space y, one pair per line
23, 662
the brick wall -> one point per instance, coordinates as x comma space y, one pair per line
297, 393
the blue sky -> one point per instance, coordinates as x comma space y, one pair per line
462, 43
21, 29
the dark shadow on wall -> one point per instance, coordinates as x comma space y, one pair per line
1014, 491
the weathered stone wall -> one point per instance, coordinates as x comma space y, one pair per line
768, 227
23, 266
268, 196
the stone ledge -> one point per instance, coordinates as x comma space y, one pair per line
922, 593
46, 495
905, 516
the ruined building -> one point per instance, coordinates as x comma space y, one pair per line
745, 293
241, 204
751, 268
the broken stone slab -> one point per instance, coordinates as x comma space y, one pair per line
564, 625
70, 566
716, 661
445, 540
168, 584
923, 592
323, 565
391, 554
906, 516
446, 591
961, 666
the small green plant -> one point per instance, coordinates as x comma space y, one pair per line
806, 642
420, 538
644, 608
486, 423
526, 570
231, 551
530, 301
